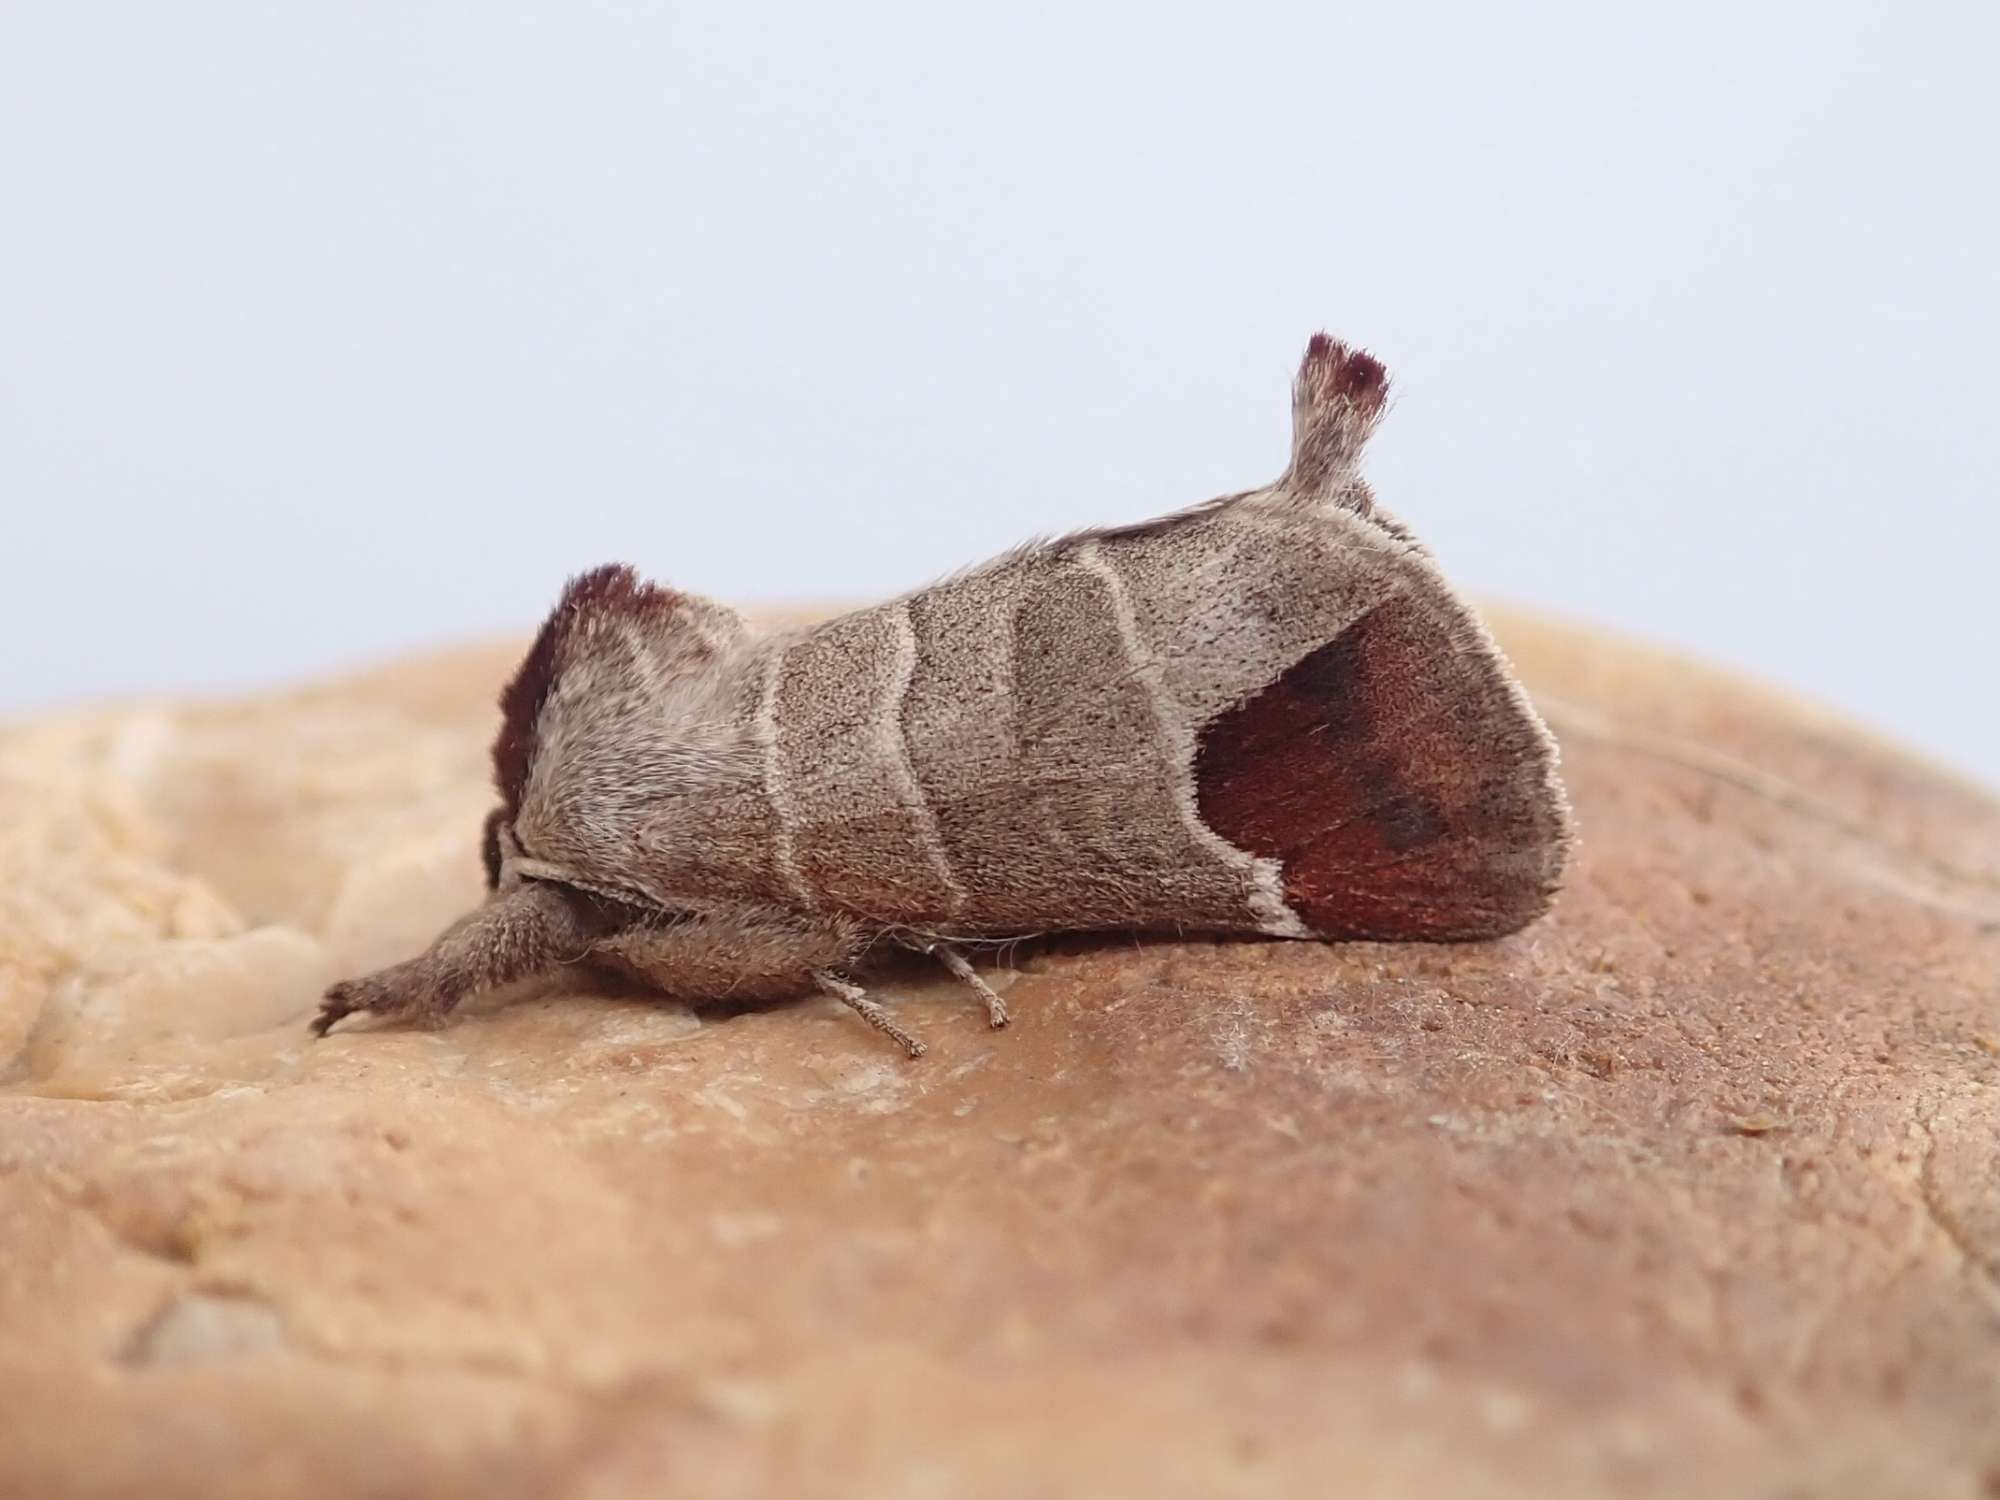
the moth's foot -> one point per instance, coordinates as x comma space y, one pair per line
862, 1004
952, 959
399, 993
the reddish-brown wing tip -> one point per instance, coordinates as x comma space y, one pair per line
1397, 778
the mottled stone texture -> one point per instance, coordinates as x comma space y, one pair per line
1692, 1188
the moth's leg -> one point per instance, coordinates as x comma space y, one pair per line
856, 999
952, 959
533, 927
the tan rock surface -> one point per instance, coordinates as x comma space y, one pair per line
1693, 1188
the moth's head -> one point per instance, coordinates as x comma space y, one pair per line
613, 644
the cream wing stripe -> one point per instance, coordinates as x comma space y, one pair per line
895, 750
783, 813
1265, 877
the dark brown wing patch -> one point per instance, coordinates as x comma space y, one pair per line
1394, 775
614, 589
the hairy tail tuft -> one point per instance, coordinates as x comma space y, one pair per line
1337, 399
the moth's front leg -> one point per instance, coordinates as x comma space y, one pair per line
532, 928
408, 990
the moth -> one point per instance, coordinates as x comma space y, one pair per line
1265, 715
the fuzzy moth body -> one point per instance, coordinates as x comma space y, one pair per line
1268, 714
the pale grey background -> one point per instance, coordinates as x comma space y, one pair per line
331, 330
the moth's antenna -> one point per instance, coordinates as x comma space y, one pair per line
1336, 401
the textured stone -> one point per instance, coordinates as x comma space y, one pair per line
1696, 1184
